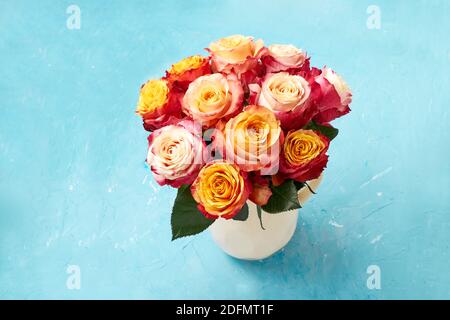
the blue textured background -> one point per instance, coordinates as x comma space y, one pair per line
74, 188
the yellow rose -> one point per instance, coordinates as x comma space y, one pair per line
302, 146
189, 63
154, 95
158, 105
252, 138
187, 70
220, 190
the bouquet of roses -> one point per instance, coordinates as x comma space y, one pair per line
245, 123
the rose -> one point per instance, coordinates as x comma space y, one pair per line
261, 191
335, 96
176, 153
158, 104
303, 156
288, 97
283, 57
187, 70
251, 139
220, 190
213, 97
236, 54
282, 92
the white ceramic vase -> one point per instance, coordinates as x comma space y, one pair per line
248, 241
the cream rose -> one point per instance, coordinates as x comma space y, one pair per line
288, 97
176, 153
213, 97
284, 92
282, 57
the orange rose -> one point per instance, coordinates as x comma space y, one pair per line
220, 190
303, 156
213, 97
251, 139
235, 53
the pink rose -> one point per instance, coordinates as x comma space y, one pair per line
283, 57
213, 97
176, 153
335, 96
288, 97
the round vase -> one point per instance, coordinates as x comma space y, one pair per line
247, 240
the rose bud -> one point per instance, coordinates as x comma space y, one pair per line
261, 191
303, 156
187, 70
158, 105
335, 96
213, 97
176, 153
220, 190
236, 54
288, 97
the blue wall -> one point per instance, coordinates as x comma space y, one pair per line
74, 189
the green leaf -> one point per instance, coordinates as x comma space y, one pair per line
243, 214
299, 185
259, 211
284, 198
329, 132
186, 219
